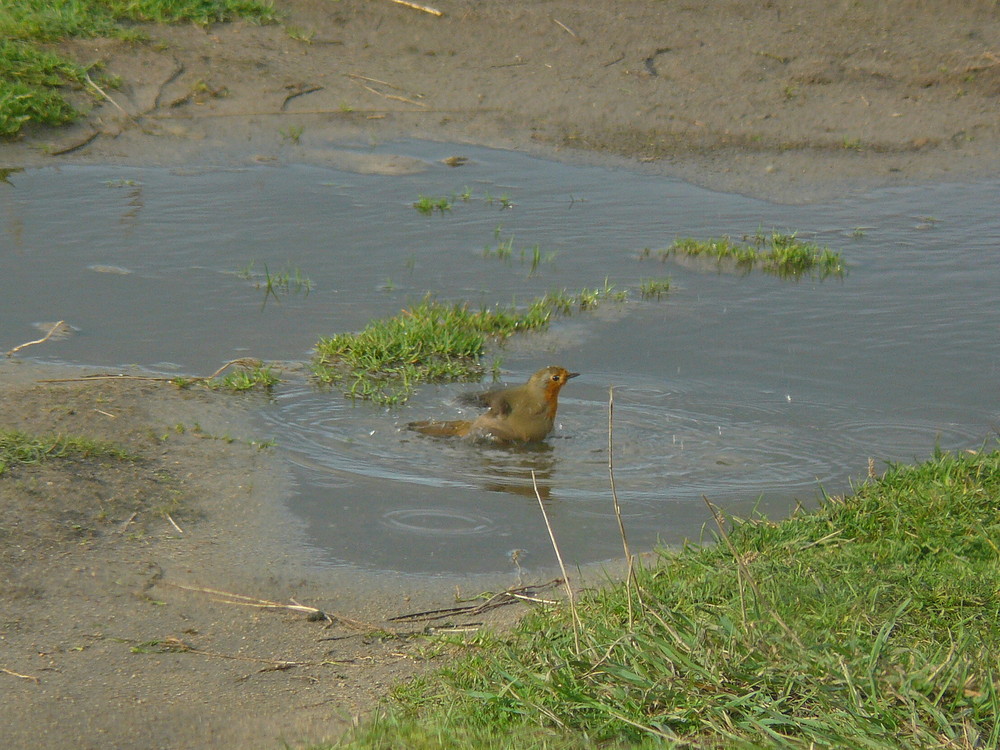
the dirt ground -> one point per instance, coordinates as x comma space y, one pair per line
792, 101
109, 639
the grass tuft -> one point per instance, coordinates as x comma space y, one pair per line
777, 253
434, 341
246, 379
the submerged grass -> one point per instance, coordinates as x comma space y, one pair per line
872, 622
33, 79
434, 341
18, 447
778, 253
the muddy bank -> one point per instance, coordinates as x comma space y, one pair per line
793, 101
115, 630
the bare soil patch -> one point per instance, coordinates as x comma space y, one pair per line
792, 101
102, 647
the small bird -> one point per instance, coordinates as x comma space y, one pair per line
519, 414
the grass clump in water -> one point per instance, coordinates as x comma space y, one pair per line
33, 81
246, 379
778, 253
427, 205
654, 288
21, 448
872, 622
433, 341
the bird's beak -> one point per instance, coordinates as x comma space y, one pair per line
572, 375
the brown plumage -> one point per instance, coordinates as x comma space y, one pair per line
519, 414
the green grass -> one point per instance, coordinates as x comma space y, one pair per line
777, 253
288, 280
873, 622
21, 448
428, 205
434, 341
504, 250
246, 379
33, 80
654, 288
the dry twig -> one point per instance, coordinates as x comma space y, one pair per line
241, 362
104, 93
630, 575
12, 673
252, 601
55, 327
562, 566
510, 596
424, 8
566, 28
174, 524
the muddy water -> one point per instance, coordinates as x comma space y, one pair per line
750, 390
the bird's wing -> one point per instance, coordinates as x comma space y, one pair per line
496, 401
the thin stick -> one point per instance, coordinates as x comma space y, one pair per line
42, 340
127, 522
360, 77
299, 113
120, 376
424, 8
569, 589
510, 596
614, 499
746, 573
103, 93
242, 362
303, 92
565, 28
12, 673
172, 523
393, 97
251, 601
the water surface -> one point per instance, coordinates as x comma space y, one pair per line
750, 390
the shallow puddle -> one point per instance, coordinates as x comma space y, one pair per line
750, 390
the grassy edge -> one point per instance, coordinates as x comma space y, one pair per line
33, 79
873, 621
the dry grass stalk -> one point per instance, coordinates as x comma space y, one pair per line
566, 28
174, 524
252, 601
248, 362
562, 566
630, 575
102, 92
55, 327
12, 673
510, 596
415, 6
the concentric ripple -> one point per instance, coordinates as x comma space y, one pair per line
675, 444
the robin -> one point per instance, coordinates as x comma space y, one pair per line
520, 414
